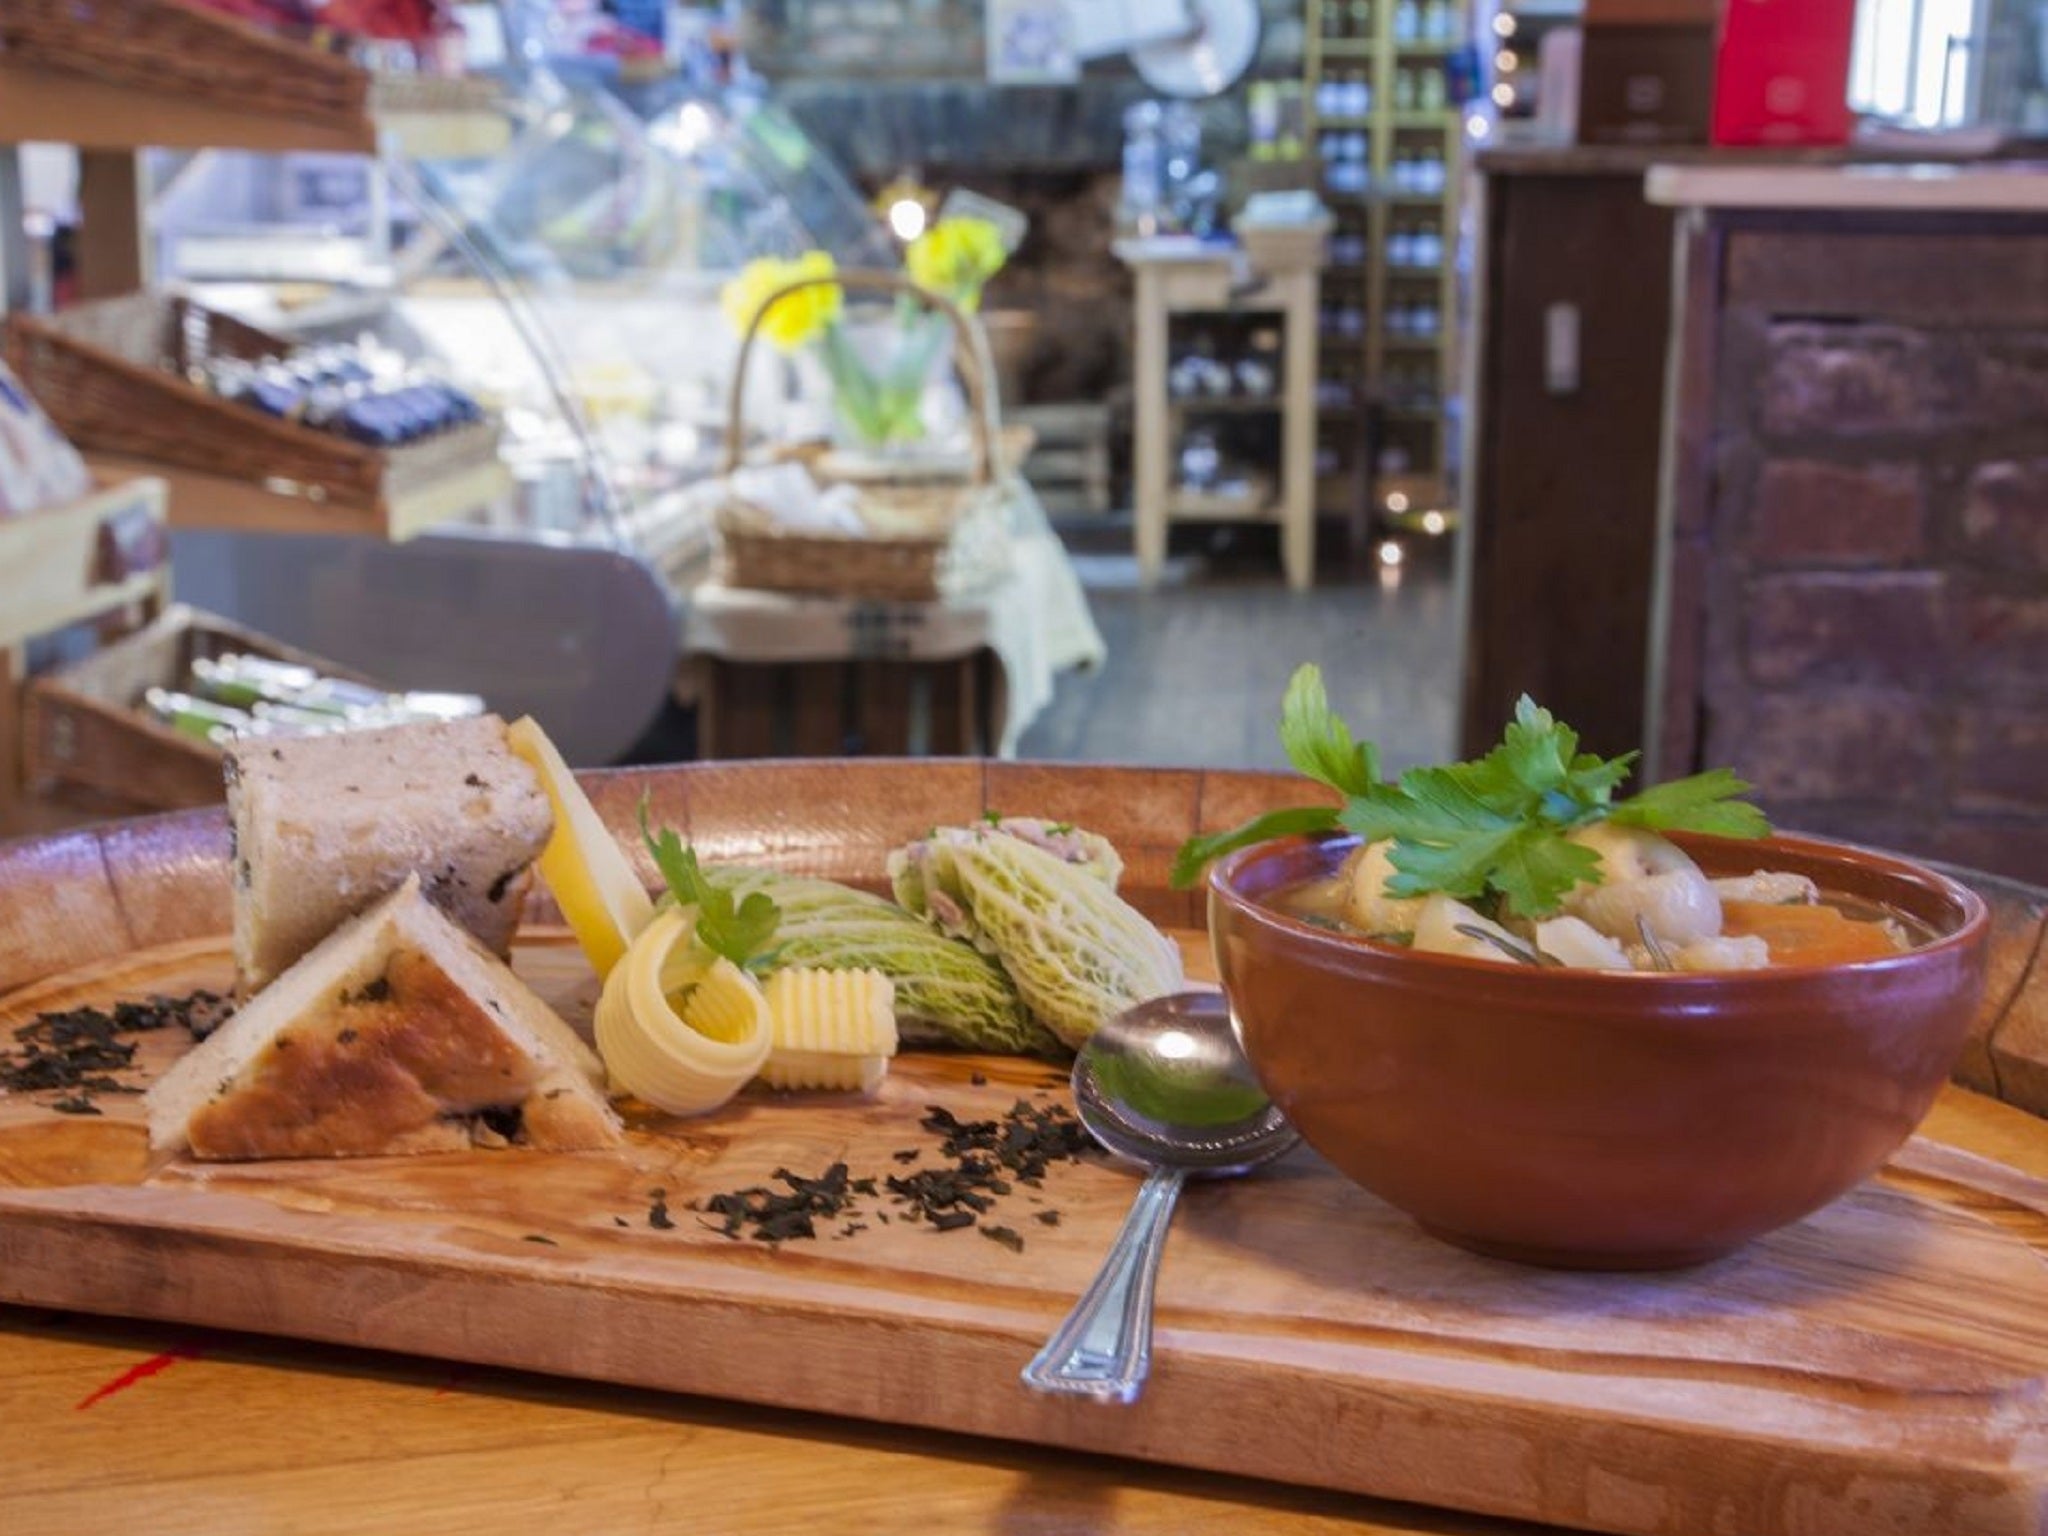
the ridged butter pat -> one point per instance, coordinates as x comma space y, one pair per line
834, 1030
686, 1062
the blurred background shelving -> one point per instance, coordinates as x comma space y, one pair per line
1382, 114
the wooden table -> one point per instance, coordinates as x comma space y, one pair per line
255, 1435
123, 1427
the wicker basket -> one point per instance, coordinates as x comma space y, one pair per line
85, 725
176, 49
915, 521
112, 374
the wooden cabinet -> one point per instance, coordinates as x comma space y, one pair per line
1573, 310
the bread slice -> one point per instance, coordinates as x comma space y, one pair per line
398, 1033
325, 825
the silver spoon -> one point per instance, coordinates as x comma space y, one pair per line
1163, 1085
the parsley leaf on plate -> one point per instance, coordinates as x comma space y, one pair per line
739, 931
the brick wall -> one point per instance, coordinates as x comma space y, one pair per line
1860, 609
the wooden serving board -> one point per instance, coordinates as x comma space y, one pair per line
1876, 1368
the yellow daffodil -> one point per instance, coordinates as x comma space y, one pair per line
956, 257
794, 320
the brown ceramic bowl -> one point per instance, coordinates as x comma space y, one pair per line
1600, 1120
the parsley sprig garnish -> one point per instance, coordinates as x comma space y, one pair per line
738, 930
1495, 829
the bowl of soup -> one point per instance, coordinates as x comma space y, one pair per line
1594, 1116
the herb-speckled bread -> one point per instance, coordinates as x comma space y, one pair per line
325, 825
398, 1033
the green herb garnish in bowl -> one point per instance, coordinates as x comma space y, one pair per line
1495, 831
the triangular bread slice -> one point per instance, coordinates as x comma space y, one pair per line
397, 1033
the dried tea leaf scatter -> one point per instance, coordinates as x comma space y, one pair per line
77, 1051
983, 1161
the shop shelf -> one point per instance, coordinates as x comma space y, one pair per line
1222, 506
113, 375
1390, 361
41, 104
398, 512
130, 74
1233, 405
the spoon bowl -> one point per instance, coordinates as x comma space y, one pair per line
1163, 1085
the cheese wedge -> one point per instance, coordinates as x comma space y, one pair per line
398, 1033
593, 883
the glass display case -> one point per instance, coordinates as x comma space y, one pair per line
570, 281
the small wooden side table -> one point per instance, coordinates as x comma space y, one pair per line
1179, 275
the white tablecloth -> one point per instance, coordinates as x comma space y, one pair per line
1033, 616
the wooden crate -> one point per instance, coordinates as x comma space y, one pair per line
95, 556
85, 728
103, 559
115, 376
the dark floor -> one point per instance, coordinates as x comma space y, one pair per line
1197, 667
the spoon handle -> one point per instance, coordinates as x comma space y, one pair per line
1104, 1348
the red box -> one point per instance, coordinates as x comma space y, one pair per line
1781, 73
